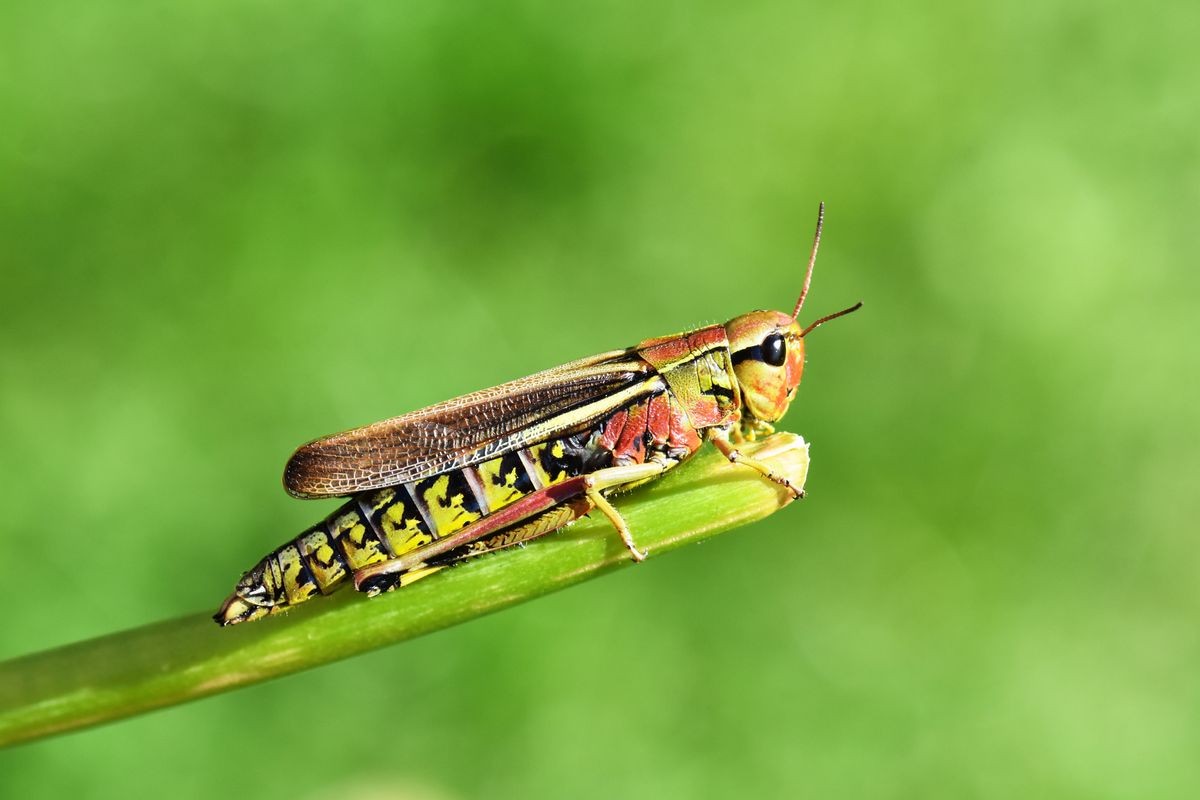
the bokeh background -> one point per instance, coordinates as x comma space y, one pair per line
226, 228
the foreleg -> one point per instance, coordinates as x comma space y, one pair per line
720, 440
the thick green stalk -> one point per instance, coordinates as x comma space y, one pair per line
182, 659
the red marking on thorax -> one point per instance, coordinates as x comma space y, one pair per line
707, 338
631, 447
658, 418
612, 430
703, 411
673, 354
665, 353
683, 434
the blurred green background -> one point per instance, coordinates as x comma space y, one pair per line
226, 228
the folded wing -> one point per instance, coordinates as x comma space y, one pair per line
471, 428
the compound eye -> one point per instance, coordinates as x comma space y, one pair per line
774, 350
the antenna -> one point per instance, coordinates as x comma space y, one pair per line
812, 260
825, 319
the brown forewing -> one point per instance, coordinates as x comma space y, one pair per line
462, 431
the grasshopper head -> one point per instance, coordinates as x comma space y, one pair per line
768, 352
768, 358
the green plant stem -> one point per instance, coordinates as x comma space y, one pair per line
183, 659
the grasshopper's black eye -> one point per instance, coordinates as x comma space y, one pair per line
774, 350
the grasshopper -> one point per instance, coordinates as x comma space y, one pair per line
505, 465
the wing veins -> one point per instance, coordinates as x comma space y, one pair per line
469, 429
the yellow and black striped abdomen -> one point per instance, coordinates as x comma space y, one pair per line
387, 523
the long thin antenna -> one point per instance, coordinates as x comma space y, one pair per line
812, 261
823, 320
